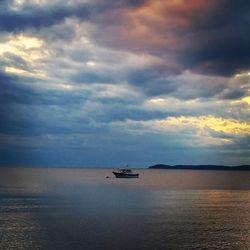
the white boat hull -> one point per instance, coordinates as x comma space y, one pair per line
125, 175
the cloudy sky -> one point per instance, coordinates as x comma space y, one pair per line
104, 83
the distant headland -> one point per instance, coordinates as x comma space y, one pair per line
202, 167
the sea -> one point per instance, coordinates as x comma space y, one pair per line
59, 208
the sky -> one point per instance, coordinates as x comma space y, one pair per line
99, 83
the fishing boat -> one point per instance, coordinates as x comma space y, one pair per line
125, 173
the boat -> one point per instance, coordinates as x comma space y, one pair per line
125, 173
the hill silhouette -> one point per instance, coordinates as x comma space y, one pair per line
202, 167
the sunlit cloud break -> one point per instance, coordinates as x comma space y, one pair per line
218, 124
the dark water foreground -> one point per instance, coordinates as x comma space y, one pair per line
163, 209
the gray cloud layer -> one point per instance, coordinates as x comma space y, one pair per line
108, 71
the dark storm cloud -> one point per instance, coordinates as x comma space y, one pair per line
224, 51
91, 77
208, 37
36, 17
21, 106
233, 94
151, 60
214, 39
117, 112
152, 81
10, 90
14, 91
156, 81
218, 39
26, 110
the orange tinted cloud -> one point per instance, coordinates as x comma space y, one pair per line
157, 22
162, 28
198, 35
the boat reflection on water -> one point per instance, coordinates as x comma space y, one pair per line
125, 173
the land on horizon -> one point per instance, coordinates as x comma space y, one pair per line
201, 167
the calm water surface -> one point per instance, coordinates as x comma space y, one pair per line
163, 209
